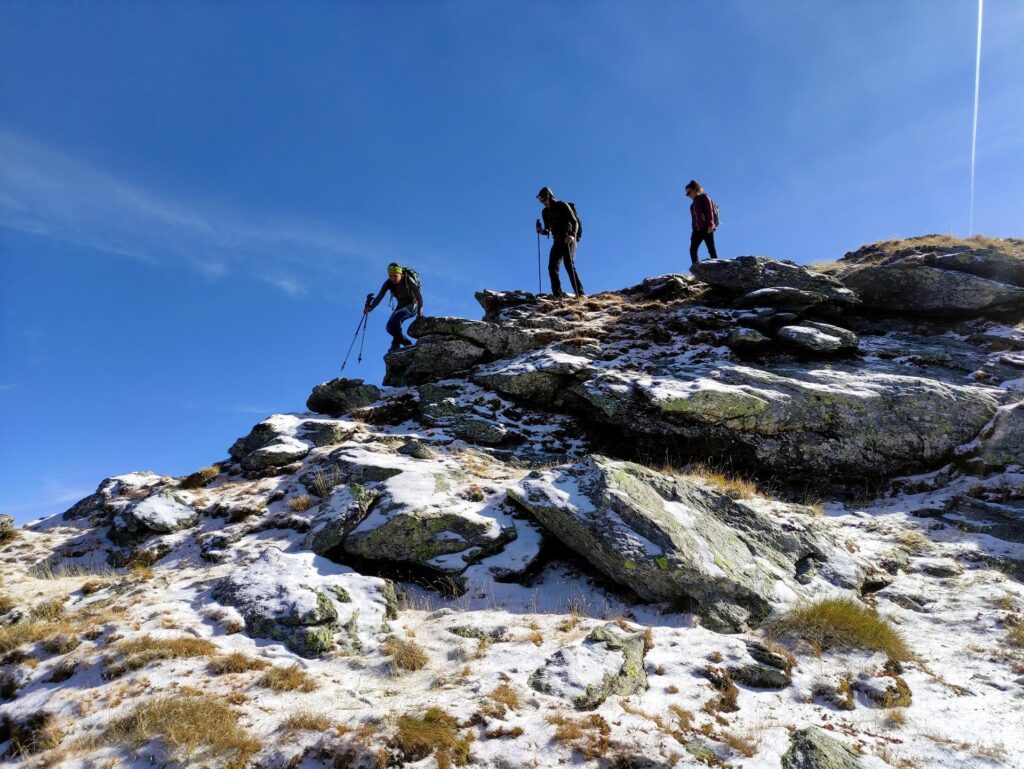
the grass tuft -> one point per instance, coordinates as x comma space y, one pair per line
136, 653
301, 504
588, 735
236, 662
433, 733
405, 655
288, 679
841, 623
196, 728
307, 720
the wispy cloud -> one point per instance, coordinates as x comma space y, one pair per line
46, 192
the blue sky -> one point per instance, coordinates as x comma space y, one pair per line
195, 197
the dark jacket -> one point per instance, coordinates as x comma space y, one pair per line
403, 292
559, 220
702, 214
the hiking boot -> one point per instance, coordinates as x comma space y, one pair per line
405, 341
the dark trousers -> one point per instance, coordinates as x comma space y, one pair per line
696, 239
561, 252
394, 326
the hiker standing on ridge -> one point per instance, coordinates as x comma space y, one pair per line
704, 216
561, 223
404, 285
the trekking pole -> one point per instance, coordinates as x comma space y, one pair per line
360, 327
538, 262
362, 342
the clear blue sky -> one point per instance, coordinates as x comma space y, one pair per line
196, 196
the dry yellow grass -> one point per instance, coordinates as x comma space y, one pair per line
288, 679
201, 477
588, 735
301, 504
405, 655
433, 733
948, 241
236, 662
136, 653
1015, 636
307, 720
841, 622
505, 695
50, 610
743, 745
196, 728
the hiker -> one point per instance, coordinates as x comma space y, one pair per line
404, 285
704, 218
561, 223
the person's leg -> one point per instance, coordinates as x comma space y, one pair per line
394, 326
709, 238
553, 259
570, 267
695, 240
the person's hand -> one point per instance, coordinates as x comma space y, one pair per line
569, 240
539, 229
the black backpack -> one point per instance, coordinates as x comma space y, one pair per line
413, 277
579, 223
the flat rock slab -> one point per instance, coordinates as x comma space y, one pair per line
156, 514
812, 748
926, 290
751, 273
669, 538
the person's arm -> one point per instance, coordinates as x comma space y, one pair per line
418, 296
547, 221
707, 216
373, 305
572, 223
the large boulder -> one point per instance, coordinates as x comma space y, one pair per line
751, 273
796, 420
499, 341
903, 288
307, 603
342, 510
418, 521
608, 662
810, 339
160, 513
340, 396
535, 377
813, 748
494, 302
670, 538
279, 452
434, 357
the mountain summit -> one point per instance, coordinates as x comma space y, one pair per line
761, 515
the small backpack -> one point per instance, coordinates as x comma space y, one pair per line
714, 212
579, 223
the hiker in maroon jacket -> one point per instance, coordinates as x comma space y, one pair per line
702, 214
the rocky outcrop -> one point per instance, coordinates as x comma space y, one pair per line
340, 396
812, 748
608, 662
902, 288
1000, 444
746, 274
288, 598
670, 538
432, 358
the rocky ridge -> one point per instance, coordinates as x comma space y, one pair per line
687, 458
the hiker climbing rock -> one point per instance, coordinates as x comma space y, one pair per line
704, 216
561, 222
404, 285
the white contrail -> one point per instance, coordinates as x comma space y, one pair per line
974, 131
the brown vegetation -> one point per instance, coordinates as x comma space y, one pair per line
236, 662
194, 727
405, 655
433, 733
201, 477
292, 678
841, 622
136, 653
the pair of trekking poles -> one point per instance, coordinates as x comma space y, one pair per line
360, 327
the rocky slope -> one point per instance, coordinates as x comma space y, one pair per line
575, 533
